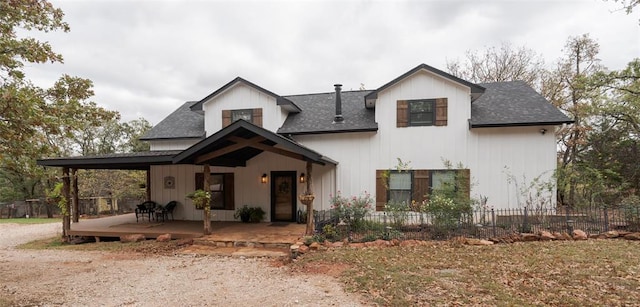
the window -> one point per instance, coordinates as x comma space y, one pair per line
221, 186
246, 114
418, 185
217, 191
422, 112
400, 187
443, 180
253, 116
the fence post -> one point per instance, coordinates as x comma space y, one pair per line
493, 222
606, 219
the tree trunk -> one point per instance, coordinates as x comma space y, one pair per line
207, 209
310, 222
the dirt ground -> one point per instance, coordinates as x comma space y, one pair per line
74, 278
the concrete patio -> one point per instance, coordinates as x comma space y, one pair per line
223, 234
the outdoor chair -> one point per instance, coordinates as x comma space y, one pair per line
164, 212
147, 208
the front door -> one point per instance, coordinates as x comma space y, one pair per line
283, 196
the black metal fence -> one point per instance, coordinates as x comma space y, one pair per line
404, 225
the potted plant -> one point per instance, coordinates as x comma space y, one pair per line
244, 214
248, 214
200, 198
257, 215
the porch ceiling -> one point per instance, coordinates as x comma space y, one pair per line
241, 141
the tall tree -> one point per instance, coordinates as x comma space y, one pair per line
498, 64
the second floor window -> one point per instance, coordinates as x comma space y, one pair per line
246, 114
422, 112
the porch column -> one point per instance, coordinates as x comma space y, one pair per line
148, 185
66, 194
75, 195
207, 210
310, 222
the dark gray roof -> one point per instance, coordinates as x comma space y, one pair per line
133, 160
318, 112
513, 103
182, 123
281, 101
226, 142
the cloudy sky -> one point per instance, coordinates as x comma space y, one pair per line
148, 57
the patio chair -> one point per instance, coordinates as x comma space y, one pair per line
164, 212
147, 208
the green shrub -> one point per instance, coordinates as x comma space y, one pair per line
398, 212
445, 212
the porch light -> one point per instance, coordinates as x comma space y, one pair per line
302, 178
263, 179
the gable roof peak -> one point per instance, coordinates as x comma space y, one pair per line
369, 99
281, 101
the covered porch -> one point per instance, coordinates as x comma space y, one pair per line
231, 233
227, 154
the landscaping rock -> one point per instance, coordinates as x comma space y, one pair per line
546, 236
579, 235
164, 238
294, 247
395, 242
337, 244
528, 237
184, 242
562, 236
633, 236
314, 246
132, 238
303, 249
382, 243
356, 245
478, 242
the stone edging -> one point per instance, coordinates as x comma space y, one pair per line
300, 247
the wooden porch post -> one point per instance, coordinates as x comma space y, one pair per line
148, 185
66, 194
74, 192
207, 210
310, 222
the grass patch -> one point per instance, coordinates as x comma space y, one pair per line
144, 247
594, 272
30, 221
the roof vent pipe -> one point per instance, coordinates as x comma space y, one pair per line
338, 118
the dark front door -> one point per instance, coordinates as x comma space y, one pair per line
283, 196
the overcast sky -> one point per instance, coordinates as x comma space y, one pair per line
147, 57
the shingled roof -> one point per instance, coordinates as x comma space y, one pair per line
318, 112
182, 123
513, 104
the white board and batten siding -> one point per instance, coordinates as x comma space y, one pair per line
248, 189
522, 152
238, 97
172, 144
424, 146
360, 154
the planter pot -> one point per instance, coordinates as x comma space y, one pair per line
306, 199
245, 218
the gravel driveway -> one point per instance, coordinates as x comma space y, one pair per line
72, 278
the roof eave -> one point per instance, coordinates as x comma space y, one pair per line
521, 124
327, 131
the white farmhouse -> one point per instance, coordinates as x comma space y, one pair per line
259, 144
